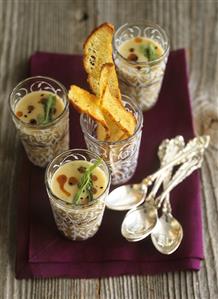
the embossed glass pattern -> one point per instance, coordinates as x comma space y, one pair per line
42, 142
76, 222
121, 156
141, 80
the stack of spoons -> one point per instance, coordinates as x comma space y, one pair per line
177, 161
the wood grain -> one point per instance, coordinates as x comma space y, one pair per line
61, 26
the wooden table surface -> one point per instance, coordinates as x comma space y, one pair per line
62, 26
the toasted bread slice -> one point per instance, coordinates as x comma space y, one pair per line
102, 133
114, 133
114, 110
108, 76
97, 51
123, 136
85, 102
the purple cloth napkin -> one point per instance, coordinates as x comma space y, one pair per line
43, 252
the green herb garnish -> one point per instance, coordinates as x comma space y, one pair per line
86, 184
48, 106
149, 51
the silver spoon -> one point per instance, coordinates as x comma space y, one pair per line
168, 232
127, 197
148, 208
138, 225
140, 221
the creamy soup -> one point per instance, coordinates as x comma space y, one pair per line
64, 183
140, 49
39, 107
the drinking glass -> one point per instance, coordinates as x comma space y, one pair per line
76, 222
121, 156
42, 142
141, 80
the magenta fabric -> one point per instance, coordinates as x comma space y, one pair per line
43, 252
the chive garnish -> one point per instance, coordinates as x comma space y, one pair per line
48, 106
149, 51
86, 184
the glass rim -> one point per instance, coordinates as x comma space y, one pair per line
60, 201
119, 142
146, 24
38, 127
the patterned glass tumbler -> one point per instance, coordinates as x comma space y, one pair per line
121, 156
141, 80
76, 222
42, 142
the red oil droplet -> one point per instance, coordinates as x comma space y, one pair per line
62, 179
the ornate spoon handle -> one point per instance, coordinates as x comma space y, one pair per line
184, 171
166, 152
167, 149
193, 148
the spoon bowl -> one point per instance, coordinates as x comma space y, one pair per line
167, 234
136, 226
126, 197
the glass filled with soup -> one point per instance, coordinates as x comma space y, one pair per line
40, 111
77, 183
140, 55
